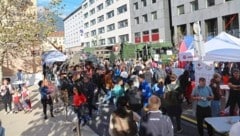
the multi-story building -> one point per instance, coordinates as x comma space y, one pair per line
54, 41
73, 30
106, 22
150, 21
214, 16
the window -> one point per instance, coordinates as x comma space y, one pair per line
135, 6
137, 37
86, 15
108, 2
136, 20
122, 24
210, 3
85, 5
86, 25
228, 0
91, 1
93, 33
144, 3
180, 9
122, 9
94, 42
111, 27
102, 42
154, 1
93, 22
123, 38
86, 35
194, 5
145, 32
154, 15
92, 11
154, 31
87, 44
100, 7
145, 18
100, 18
110, 14
101, 30
111, 40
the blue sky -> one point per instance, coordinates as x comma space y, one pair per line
70, 5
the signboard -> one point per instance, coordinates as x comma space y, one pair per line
203, 69
169, 52
156, 57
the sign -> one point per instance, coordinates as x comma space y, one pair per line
169, 52
156, 57
203, 69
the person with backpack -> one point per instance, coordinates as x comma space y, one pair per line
134, 96
145, 89
172, 98
203, 95
158, 73
122, 120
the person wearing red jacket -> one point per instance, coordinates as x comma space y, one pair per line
79, 99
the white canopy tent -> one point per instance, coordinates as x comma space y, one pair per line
223, 47
53, 56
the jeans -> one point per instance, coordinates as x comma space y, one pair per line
215, 106
108, 96
201, 113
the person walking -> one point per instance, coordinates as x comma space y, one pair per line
145, 89
154, 123
203, 95
122, 120
6, 92
45, 97
234, 96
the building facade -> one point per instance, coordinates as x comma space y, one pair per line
150, 21
214, 17
54, 41
73, 30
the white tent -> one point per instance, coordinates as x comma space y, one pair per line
223, 47
53, 56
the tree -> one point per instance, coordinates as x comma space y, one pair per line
19, 28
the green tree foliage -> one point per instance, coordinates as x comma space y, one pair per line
19, 28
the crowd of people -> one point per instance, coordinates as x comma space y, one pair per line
147, 96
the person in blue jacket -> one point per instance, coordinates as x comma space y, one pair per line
145, 89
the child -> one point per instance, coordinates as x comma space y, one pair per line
16, 102
26, 98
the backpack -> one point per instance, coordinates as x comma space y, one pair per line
135, 99
173, 96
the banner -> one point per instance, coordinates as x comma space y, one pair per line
203, 69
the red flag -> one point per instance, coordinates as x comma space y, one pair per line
182, 48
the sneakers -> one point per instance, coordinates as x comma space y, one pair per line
180, 131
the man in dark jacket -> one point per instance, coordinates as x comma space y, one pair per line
154, 123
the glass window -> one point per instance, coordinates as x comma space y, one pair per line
138, 34
154, 1
154, 31
136, 20
93, 33
85, 5
210, 3
111, 27
144, 3
110, 14
123, 38
86, 25
86, 35
100, 18
145, 32
101, 30
180, 9
111, 40
92, 11
91, 1
135, 5
109, 2
86, 15
194, 5
93, 22
123, 23
102, 42
87, 44
154, 15
145, 18
100, 7
122, 9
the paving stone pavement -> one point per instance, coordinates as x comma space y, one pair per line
33, 124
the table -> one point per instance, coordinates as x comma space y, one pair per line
222, 125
